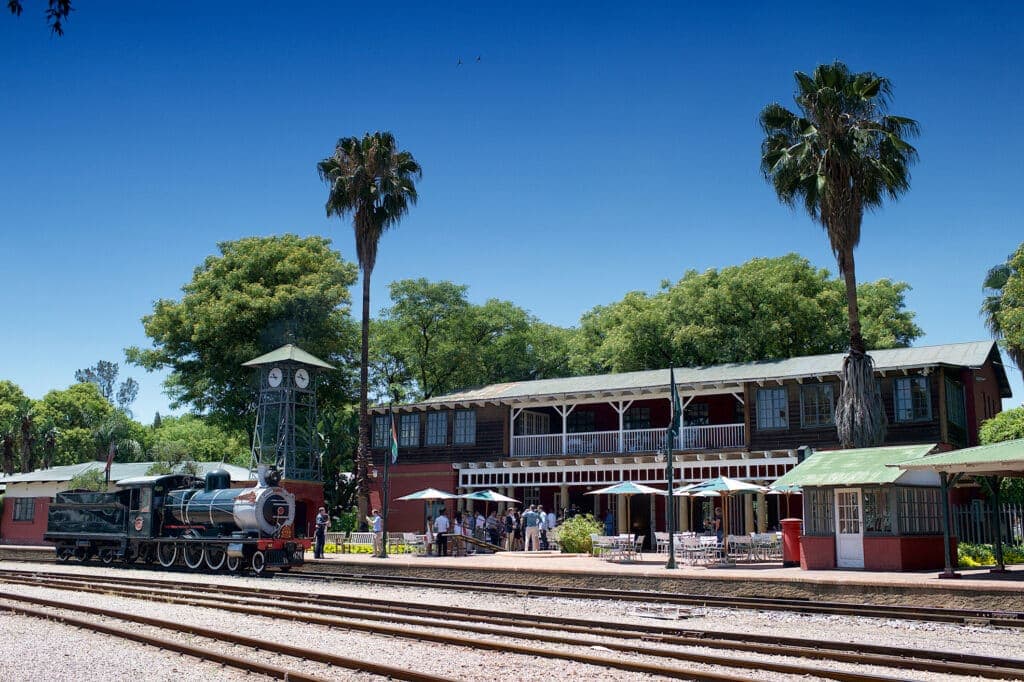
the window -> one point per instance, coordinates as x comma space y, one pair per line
437, 428
920, 511
818, 505
465, 427
913, 400
955, 412
876, 511
24, 508
817, 405
772, 408
581, 422
409, 431
381, 430
695, 414
533, 423
638, 418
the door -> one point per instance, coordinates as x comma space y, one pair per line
849, 529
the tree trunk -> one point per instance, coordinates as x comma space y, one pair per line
27, 440
363, 448
860, 416
8, 445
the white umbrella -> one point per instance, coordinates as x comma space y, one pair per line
627, 488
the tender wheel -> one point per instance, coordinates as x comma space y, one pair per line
166, 553
234, 563
147, 553
215, 557
131, 555
193, 554
107, 555
65, 553
83, 554
259, 562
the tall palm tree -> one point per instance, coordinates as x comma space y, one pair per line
992, 307
371, 179
841, 154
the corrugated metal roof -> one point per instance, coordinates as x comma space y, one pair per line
864, 466
971, 354
118, 471
288, 352
1005, 456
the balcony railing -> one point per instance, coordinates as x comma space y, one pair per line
634, 440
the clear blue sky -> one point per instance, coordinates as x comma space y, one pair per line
594, 149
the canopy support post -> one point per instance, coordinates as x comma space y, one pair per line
945, 481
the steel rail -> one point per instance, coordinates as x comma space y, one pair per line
860, 653
305, 653
315, 615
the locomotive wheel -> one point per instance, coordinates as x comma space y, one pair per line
107, 555
131, 555
234, 562
193, 554
215, 557
83, 554
166, 553
65, 554
259, 562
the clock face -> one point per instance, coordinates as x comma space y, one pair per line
301, 378
274, 378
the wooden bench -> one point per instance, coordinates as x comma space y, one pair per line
357, 539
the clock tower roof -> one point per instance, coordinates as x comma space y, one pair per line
287, 353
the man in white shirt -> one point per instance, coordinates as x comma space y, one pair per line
552, 520
441, 526
377, 524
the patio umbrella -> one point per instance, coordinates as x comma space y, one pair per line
724, 487
487, 496
427, 495
786, 489
627, 488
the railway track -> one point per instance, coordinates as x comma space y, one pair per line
407, 620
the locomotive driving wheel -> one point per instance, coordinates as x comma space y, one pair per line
107, 555
193, 554
259, 562
215, 557
234, 563
65, 554
166, 553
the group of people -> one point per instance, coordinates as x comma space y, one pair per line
513, 530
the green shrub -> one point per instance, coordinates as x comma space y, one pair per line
972, 556
344, 522
574, 534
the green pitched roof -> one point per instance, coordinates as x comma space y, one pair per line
289, 352
1007, 456
864, 466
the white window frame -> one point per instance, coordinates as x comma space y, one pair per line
437, 428
381, 431
464, 428
769, 406
409, 431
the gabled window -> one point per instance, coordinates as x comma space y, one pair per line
817, 405
465, 427
637, 418
381, 431
437, 428
772, 408
912, 399
409, 431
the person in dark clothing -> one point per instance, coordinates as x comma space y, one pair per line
320, 534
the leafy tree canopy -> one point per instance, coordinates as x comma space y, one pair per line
258, 294
14, 407
1003, 306
94, 480
764, 309
199, 440
104, 375
432, 340
57, 12
75, 416
1008, 425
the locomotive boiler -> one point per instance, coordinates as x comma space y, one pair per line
177, 518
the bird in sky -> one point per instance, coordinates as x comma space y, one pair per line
478, 59
460, 62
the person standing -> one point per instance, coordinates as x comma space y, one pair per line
531, 524
609, 523
441, 526
320, 533
543, 526
377, 524
428, 537
493, 536
510, 530
552, 519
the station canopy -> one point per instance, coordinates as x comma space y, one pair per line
861, 466
997, 459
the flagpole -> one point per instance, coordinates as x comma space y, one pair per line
387, 485
670, 507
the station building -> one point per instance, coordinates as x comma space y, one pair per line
27, 497
551, 441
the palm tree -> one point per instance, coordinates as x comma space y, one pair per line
375, 182
840, 155
992, 307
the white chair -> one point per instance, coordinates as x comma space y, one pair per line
662, 542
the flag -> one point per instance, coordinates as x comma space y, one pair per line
672, 433
394, 439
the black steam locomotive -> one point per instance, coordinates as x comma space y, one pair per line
202, 523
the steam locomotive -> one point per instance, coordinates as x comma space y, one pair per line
202, 523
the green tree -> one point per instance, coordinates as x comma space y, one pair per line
57, 12
200, 440
374, 181
840, 155
764, 309
104, 375
15, 406
73, 417
1003, 307
1008, 425
93, 480
258, 294
432, 340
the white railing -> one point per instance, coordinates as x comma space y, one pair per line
634, 440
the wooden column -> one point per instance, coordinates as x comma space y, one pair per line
762, 513
748, 514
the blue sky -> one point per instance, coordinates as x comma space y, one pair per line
595, 148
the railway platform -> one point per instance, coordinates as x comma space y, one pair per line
977, 588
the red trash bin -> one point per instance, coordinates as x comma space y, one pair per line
791, 541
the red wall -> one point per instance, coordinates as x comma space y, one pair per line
881, 553
408, 478
24, 532
817, 552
